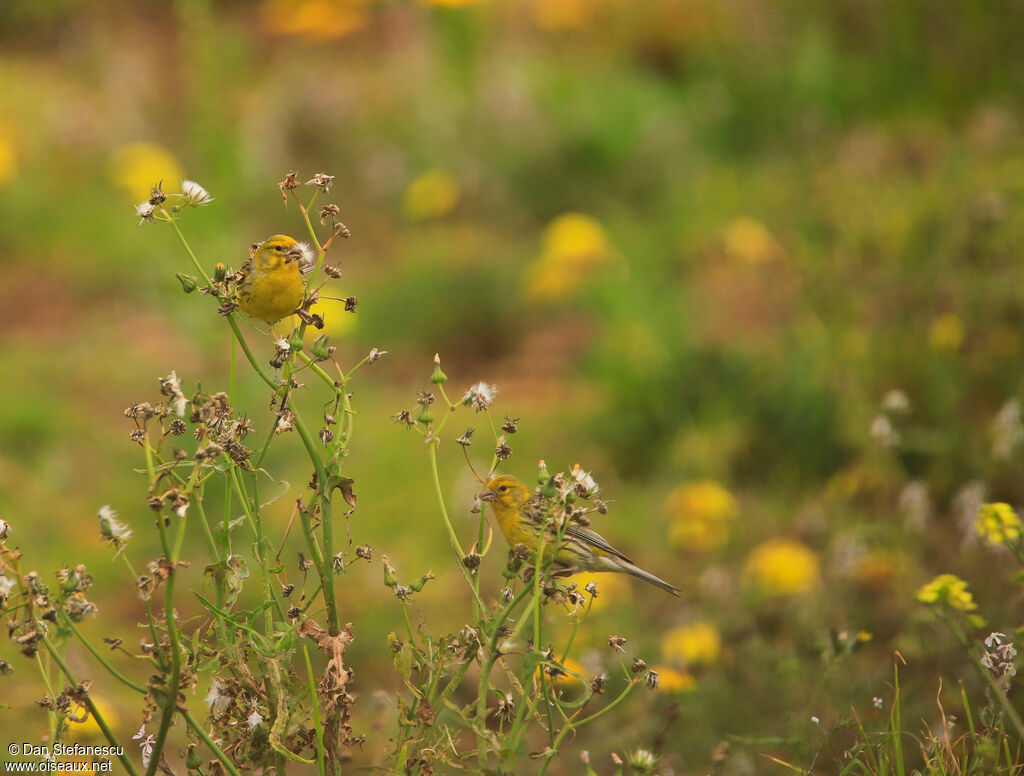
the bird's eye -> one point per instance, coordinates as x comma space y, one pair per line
503, 488
278, 247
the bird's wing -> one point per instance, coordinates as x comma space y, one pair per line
594, 539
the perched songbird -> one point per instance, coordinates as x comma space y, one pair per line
271, 286
521, 514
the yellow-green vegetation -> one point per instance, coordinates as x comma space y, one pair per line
756, 267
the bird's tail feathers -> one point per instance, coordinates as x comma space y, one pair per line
648, 577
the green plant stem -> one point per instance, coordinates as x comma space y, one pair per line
171, 702
95, 712
96, 654
478, 605
569, 726
188, 248
217, 751
315, 703
990, 680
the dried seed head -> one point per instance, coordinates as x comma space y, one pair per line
287, 590
502, 452
404, 417
616, 643
597, 683
464, 440
376, 354
350, 304
305, 564
651, 680
156, 195
291, 181
144, 212
364, 551
638, 665
471, 561
294, 612
332, 271
328, 213
511, 425
338, 563
323, 181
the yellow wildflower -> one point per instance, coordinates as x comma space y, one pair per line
89, 729
749, 242
947, 589
611, 589
781, 567
8, 159
672, 681
998, 523
137, 167
568, 679
554, 15
698, 643
572, 245
449, 3
314, 19
946, 332
433, 194
700, 513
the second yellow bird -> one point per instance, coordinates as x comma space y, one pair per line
272, 286
520, 515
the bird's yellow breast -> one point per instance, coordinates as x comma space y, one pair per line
271, 295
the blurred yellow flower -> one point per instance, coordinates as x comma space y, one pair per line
700, 515
947, 589
572, 245
698, 643
946, 332
673, 681
433, 194
315, 19
998, 523
137, 167
554, 15
8, 158
564, 680
611, 589
89, 729
337, 322
749, 241
781, 567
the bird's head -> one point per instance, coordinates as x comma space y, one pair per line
277, 251
505, 490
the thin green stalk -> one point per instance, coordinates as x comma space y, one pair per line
315, 702
478, 604
96, 654
217, 751
569, 726
188, 248
95, 712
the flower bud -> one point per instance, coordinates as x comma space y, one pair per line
542, 472
295, 341
220, 272
319, 348
425, 416
417, 586
390, 577
439, 377
188, 283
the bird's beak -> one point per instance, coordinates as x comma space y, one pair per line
295, 253
488, 495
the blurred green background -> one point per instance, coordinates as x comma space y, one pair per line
756, 265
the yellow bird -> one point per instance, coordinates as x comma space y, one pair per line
520, 515
271, 286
